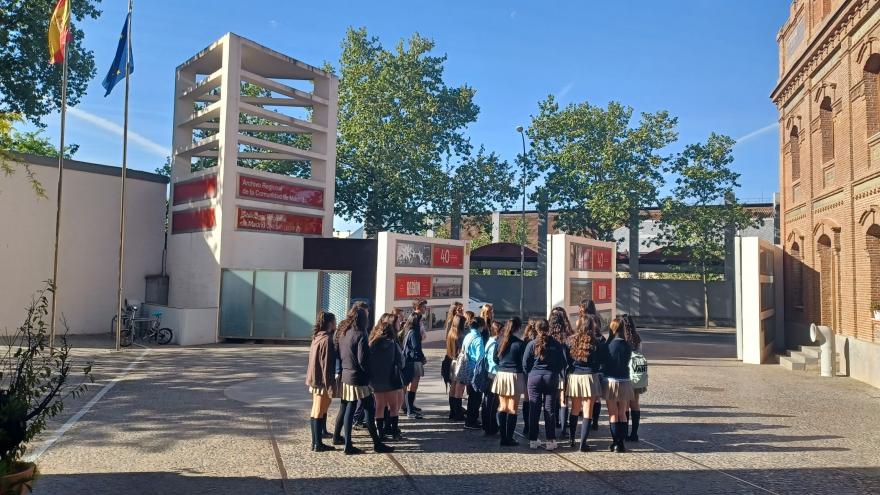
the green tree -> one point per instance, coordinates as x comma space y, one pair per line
703, 208
398, 119
25, 142
599, 168
29, 85
479, 184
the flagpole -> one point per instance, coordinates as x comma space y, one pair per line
56, 289
119, 295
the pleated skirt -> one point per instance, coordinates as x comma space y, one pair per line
620, 390
584, 386
351, 393
509, 384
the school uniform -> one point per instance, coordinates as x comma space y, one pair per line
386, 363
474, 351
509, 382
414, 359
543, 385
490, 399
619, 387
584, 377
354, 353
321, 380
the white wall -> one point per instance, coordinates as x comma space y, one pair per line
88, 259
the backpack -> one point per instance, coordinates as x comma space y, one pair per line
638, 370
481, 382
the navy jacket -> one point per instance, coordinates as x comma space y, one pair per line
512, 359
386, 362
554, 358
597, 358
412, 346
355, 357
617, 365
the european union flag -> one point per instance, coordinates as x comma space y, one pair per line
117, 70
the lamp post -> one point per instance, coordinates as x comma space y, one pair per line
522, 240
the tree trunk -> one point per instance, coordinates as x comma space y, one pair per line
455, 220
705, 299
635, 287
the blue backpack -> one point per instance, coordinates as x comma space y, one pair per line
481, 382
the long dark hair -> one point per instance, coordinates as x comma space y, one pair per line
631, 335
478, 323
510, 328
359, 319
542, 330
323, 322
453, 336
560, 326
583, 341
350, 319
384, 329
530, 332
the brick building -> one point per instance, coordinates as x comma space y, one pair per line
828, 96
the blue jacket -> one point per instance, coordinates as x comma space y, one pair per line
491, 348
473, 348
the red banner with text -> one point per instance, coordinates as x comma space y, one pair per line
412, 286
196, 220
278, 222
279, 192
195, 189
444, 256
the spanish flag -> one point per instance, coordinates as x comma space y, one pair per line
59, 31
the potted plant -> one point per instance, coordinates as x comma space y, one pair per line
34, 383
875, 308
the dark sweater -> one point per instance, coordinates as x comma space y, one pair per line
554, 360
617, 365
512, 359
385, 360
412, 346
355, 357
597, 357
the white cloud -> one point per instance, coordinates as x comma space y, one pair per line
143, 142
565, 90
758, 132
273, 24
513, 14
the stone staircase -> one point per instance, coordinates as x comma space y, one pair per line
806, 359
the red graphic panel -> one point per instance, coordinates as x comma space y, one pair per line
278, 222
602, 259
443, 256
279, 192
196, 220
412, 286
601, 291
195, 189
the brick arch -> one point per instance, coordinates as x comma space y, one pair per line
830, 228
871, 83
793, 270
825, 292
870, 216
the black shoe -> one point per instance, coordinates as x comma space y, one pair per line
509, 442
595, 425
322, 448
416, 409
381, 448
632, 438
612, 447
396, 436
339, 441
584, 448
571, 443
352, 451
360, 426
326, 435
473, 426
415, 415
619, 448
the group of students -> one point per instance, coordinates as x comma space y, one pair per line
556, 366
374, 372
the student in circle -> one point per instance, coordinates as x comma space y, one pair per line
386, 366
510, 381
340, 415
355, 356
543, 361
620, 391
590, 310
446, 366
584, 386
560, 330
415, 357
529, 335
487, 313
490, 400
635, 412
474, 350
454, 340
321, 376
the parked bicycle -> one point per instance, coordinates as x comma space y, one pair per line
147, 329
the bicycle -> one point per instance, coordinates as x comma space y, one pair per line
154, 331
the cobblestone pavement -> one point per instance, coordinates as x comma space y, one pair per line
233, 419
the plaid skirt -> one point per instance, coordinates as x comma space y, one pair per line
584, 386
620, 390
509, 384
322, 391
351, 393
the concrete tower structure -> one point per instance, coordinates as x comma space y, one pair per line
227, 211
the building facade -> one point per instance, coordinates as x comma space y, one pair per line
828, 97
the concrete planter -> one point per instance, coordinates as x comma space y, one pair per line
18, 483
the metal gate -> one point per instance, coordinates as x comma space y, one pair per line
279, 305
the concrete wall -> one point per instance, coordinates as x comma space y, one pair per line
88, 259
858, 359
677, 301
503, 293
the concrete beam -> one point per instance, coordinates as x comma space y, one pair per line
278, 148
307, 99
280, 118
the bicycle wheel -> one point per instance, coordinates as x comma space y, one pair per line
125, 337
164, 335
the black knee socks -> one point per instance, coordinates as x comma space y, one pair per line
511, 425
525, 414
572, 426
563, 419
501, 417
597, 410
348, 422
380, 426
585, 431
411, 404
313, 423
452, 408
636, 417
340, 418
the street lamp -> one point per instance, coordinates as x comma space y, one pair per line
522, 239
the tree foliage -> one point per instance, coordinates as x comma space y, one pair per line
598, 166
398, 119
703, 207
29, 85
32, 142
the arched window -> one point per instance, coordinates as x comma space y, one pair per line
794, 148
825, 294
872, 239
872, 105
826, 127
795, 278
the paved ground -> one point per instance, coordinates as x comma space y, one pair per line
232, 419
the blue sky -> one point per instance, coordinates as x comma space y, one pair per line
711, 63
